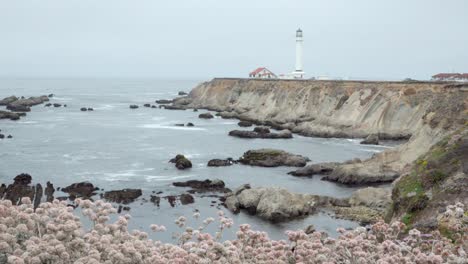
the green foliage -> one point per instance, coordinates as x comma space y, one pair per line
407, 219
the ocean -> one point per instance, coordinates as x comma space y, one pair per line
115, 147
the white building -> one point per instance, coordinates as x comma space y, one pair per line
299, 71
263, 73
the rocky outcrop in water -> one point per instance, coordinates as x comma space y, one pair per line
124, 196
260, 132
10, 115
245, 124
80, 189
272, 158
314, 169
8, 100
205, 116
22, 187
23, 104
273, 204
133, 106
181, 162
221, 162
164, 101
203, 186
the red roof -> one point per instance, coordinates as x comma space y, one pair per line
446, 75
258, 70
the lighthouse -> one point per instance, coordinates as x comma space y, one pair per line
298, 73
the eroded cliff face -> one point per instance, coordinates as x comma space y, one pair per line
424, 112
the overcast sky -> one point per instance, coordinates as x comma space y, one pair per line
206, 38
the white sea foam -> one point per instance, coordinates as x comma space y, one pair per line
151, 178
26, 122
63, 98
105, 107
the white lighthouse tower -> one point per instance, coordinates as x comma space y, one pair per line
299, 71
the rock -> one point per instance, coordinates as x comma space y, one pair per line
64, 105
310, 170
57, 105
50, 95
2, 136
309, 229
173, 107
195, 110
10, 115
23, 105
156, 200
181, 125
182, 93
371, 197
186, 199
205, 116
153, 106
163, 101
372, 139
190, 124
10, 136
147, 105
171, 199
81, 189
220, 162
203, 186
20, 188
361, 173
133, 106
181, 162
245, 124
273, 204
90, 109
261, 134
124, 196
8, 100
48, 105
272, 158
262, 130
84, 109
49, 192
38, 196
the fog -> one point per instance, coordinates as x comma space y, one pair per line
369, 39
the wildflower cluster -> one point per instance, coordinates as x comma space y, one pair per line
54, 234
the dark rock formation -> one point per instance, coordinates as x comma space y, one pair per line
23, 105
57, 105
260, 132
133, 106
10, 115
48, 105
186, 198
203, 186
2, 136
156, 200
181, 162
90, 109
20, 188
38, 196
314, 169
182, 93
124, 196
190, 124
372, 139
220, 162
245, 124
147, 105
153, 106
8, 100
195, 110
80, 189
164, 101
10, 136
49, 192
181, 125
50, 95
205, 116
84, 109
272, 158
173, 107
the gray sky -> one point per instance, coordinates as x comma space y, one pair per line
208, 38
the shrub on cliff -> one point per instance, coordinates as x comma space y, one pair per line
53, 234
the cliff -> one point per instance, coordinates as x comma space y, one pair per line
423, 112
